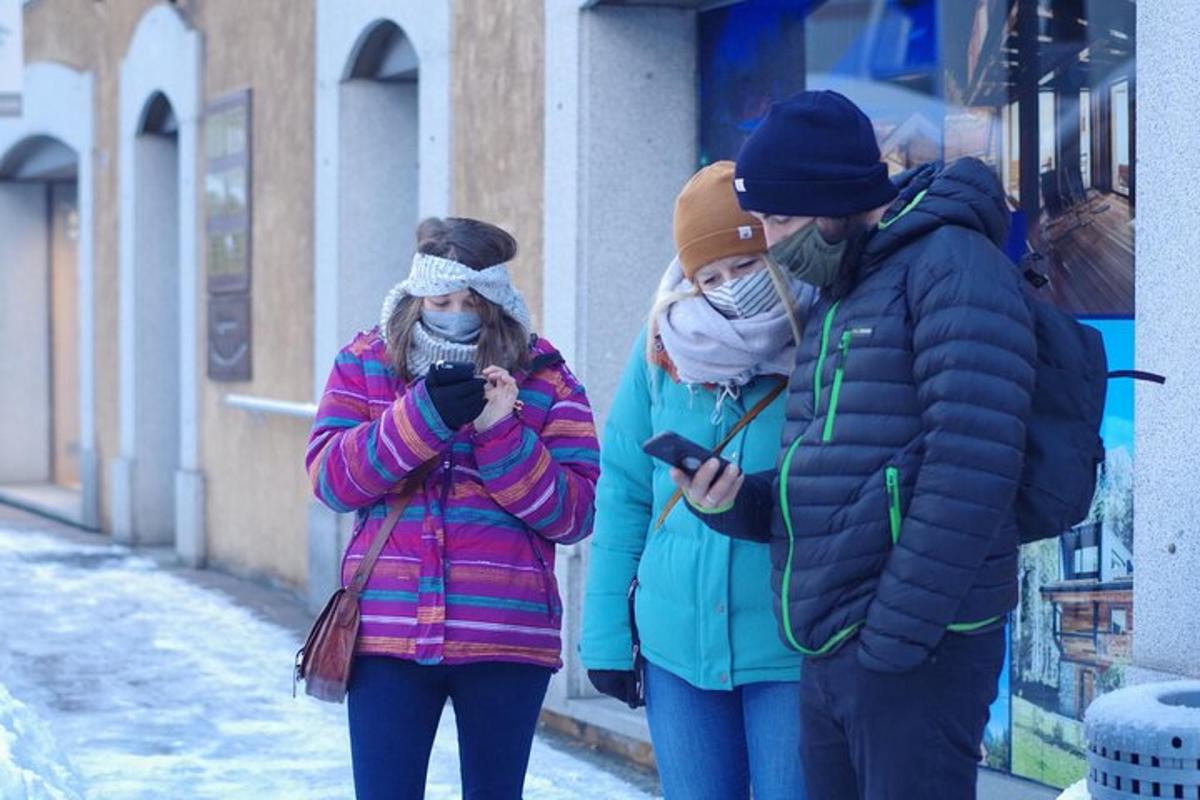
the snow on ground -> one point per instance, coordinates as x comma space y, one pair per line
1078, 791
158, 688
31, 765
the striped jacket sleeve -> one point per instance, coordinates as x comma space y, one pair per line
548, 481
352, 460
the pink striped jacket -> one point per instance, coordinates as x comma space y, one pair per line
468, 573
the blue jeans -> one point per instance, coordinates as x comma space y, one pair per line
394, 707
716, 745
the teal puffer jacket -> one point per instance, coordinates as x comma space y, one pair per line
704, 602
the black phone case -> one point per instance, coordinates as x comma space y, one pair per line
447, 372
679, 452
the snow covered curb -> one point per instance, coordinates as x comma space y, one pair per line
31, 765
1076, 791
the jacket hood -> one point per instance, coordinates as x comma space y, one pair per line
965, 193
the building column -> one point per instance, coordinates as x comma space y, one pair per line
607, 238
1166, 500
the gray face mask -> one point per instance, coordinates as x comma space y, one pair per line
744, 297
808, 257
460, 327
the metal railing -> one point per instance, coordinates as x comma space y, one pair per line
267, 405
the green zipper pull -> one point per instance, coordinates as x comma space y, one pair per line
891, 477
820, 368
836, 392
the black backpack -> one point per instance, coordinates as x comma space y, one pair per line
1063, 448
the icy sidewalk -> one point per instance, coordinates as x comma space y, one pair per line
158, 688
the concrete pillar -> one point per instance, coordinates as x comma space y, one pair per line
621, 140
1166, 497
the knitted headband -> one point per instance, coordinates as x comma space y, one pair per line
432, 276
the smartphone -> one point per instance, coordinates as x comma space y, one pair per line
446, 372
680, 452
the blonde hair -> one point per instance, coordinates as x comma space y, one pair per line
663, 302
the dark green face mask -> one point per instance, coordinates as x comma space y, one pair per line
808, 257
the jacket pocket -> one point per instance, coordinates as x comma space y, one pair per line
891, 479
549, 583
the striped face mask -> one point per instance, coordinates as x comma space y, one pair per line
744, 297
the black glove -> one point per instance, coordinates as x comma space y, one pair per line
456, 395
619, 683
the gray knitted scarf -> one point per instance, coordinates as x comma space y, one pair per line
425, 349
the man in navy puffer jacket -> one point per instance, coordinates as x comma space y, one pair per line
891, 518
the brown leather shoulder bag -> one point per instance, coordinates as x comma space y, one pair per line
323, 663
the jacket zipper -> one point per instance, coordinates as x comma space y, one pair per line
785, 604
835, 394
825, 328
891, 477
448, 466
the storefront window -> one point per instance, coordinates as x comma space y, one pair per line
1085, 137
1044, 92
1119, 129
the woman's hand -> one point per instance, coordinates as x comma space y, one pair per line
705, 494
500, 391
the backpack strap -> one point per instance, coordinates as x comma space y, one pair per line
746, 419
1138, 375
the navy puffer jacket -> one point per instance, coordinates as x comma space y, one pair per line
905, 435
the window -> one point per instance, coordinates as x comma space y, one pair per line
1119, 621
1085, 137
1047, 131
1012, 149
1119, 116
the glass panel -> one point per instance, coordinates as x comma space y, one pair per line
1047, 131
226, 253
1085, 137
1120, 137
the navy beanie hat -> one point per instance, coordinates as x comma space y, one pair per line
814, 155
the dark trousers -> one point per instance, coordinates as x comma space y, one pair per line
394, 708
912, 736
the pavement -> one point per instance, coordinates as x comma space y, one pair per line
149, 680
124, 677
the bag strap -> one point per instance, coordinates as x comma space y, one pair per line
746, 419
1138, 375
413, 482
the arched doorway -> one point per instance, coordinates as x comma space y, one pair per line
378, 186
39, 322
47, 379
155, 322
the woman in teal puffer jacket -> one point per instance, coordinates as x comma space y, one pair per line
720, 686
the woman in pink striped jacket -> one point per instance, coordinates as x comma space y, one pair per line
463, 603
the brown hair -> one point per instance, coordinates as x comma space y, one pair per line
503, 342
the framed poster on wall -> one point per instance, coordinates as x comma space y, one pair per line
227, 193
227, 234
